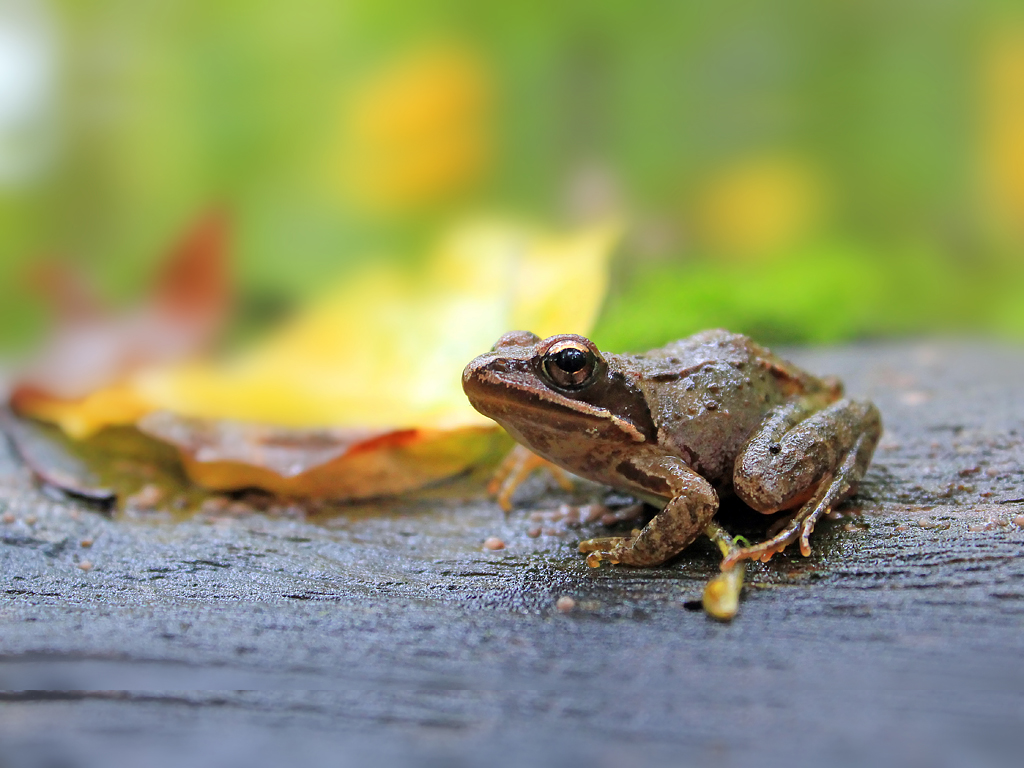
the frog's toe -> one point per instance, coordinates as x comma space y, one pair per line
594, 558
765, 550
601, 543
608, 548
806, 529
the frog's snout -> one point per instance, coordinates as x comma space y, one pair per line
473, 373
467, 374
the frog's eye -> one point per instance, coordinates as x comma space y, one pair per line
570, 364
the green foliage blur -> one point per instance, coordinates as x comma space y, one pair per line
802, 171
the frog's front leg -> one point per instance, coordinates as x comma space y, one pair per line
800, 456
693, 504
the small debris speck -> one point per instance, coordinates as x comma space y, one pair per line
533, 532
494, 542
31, 520
85, 565
987, 525
86, 543
214, 505
565, 604
148, 497
1019, 521
8, 518
915, 397
239, 509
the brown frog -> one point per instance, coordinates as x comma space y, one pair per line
679, 426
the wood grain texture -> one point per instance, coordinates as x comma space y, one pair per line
385, 632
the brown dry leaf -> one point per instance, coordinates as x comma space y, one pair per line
329, 463
80, 380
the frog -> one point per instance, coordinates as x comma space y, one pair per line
681, 427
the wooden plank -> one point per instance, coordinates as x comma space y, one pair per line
898, 641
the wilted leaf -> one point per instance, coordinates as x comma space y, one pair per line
50, 462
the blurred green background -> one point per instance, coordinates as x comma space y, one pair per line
801, 171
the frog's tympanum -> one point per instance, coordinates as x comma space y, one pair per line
679, 426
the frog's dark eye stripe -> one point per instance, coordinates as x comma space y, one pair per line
570, 364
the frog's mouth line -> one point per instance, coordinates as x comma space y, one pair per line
502, 393
488, 391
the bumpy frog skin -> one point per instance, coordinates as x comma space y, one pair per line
678, 426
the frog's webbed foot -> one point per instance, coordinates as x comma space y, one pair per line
518, 465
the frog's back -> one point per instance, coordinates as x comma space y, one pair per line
708, 392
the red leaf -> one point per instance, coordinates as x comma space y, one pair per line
92, 348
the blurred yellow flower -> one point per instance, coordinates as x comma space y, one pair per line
417, 131
759, 206
1002, 153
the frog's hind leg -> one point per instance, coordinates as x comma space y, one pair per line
817, 460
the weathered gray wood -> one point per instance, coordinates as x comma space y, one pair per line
898, 642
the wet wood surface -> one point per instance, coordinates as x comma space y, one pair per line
388, 633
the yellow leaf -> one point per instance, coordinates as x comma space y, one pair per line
81, 418
386, 348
